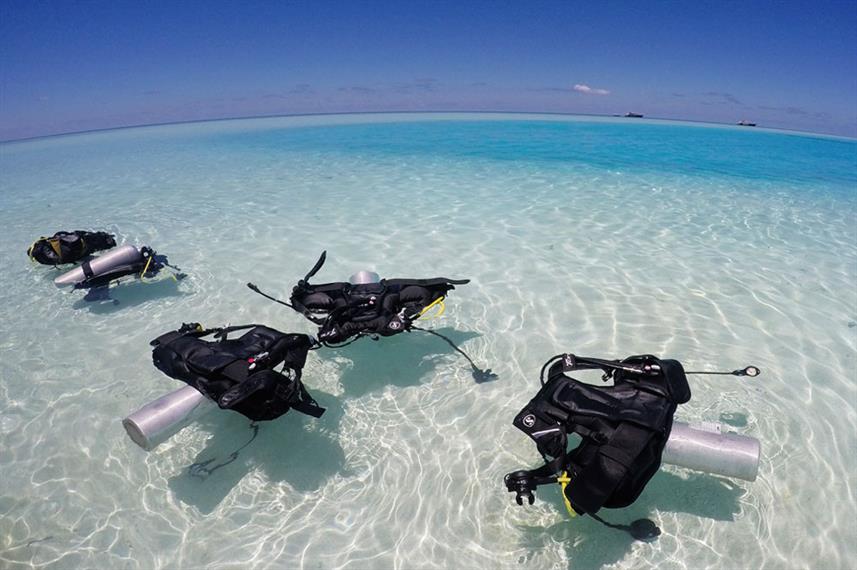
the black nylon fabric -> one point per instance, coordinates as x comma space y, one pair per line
614, 474
344, 310
72, 246
624, 428
238, 373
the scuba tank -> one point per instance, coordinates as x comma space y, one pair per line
124, 261
125, 256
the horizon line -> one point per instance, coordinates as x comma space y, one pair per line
412, 112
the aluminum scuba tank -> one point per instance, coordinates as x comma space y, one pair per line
706, 448
701, 448
124, 255
364, 277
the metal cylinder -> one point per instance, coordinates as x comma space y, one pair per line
159, 420
701, 448
122, 255
706, 448
364, 277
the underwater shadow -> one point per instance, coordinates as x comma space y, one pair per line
402, 360
295, 448
126, 295
589, 544
47, 273
699, 494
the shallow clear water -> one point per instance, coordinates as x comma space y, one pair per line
720, 247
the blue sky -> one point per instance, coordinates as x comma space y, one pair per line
70, 66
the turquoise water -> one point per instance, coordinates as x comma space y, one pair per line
720, 247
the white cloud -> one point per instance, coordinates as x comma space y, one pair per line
583, 88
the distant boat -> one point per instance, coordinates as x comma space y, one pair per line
746, 124
634, 115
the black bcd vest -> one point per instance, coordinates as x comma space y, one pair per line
623, 428
69, 247
344, 310
239, 373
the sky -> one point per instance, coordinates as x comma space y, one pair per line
69, 66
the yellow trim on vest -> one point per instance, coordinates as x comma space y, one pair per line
439, 302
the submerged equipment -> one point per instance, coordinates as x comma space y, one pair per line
123, 262
623, 429
367, 305
709, 448
162, 418
239, 373
69, 247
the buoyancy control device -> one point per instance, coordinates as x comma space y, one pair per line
69, 247
385, 307
239, 373
623, 430
367, 305
622, 427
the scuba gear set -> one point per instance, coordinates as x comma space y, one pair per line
623, 429
69, 247
184, 355
161, 418
125, 261
384, 307
239, 373
367, 305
